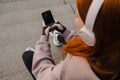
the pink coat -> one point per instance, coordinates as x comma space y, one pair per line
71, 68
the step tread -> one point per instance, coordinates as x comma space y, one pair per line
8, 1
70, 1
32, 15
28, 4
20, 75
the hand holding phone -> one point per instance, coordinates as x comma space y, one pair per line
48, 21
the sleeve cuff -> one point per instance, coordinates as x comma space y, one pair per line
66, 33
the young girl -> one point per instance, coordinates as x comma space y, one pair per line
93, 54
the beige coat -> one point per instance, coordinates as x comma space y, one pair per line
72, 68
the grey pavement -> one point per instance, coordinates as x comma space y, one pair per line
20, 27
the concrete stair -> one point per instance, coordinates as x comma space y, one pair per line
20, 17
72, 3
6, 1
20, 27
27, 4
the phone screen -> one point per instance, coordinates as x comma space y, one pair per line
48, 18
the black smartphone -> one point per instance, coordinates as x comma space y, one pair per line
48, 18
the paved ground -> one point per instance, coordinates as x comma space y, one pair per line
20, 27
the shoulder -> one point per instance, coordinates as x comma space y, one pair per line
78, 68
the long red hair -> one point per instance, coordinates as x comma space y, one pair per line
104, 57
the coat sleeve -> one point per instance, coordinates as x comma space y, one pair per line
43, 67
69, 35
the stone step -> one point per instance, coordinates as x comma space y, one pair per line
24, 31
32, 15
72, 3
69, 1
6, 1
22, 75
73, 6
11, 60
27, 4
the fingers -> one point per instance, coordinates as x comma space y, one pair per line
43, 30
47, 30
59, 26
52, 29
56, 26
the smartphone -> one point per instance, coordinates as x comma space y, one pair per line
48, 18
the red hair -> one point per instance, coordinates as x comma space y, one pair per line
104, 57
77, 47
